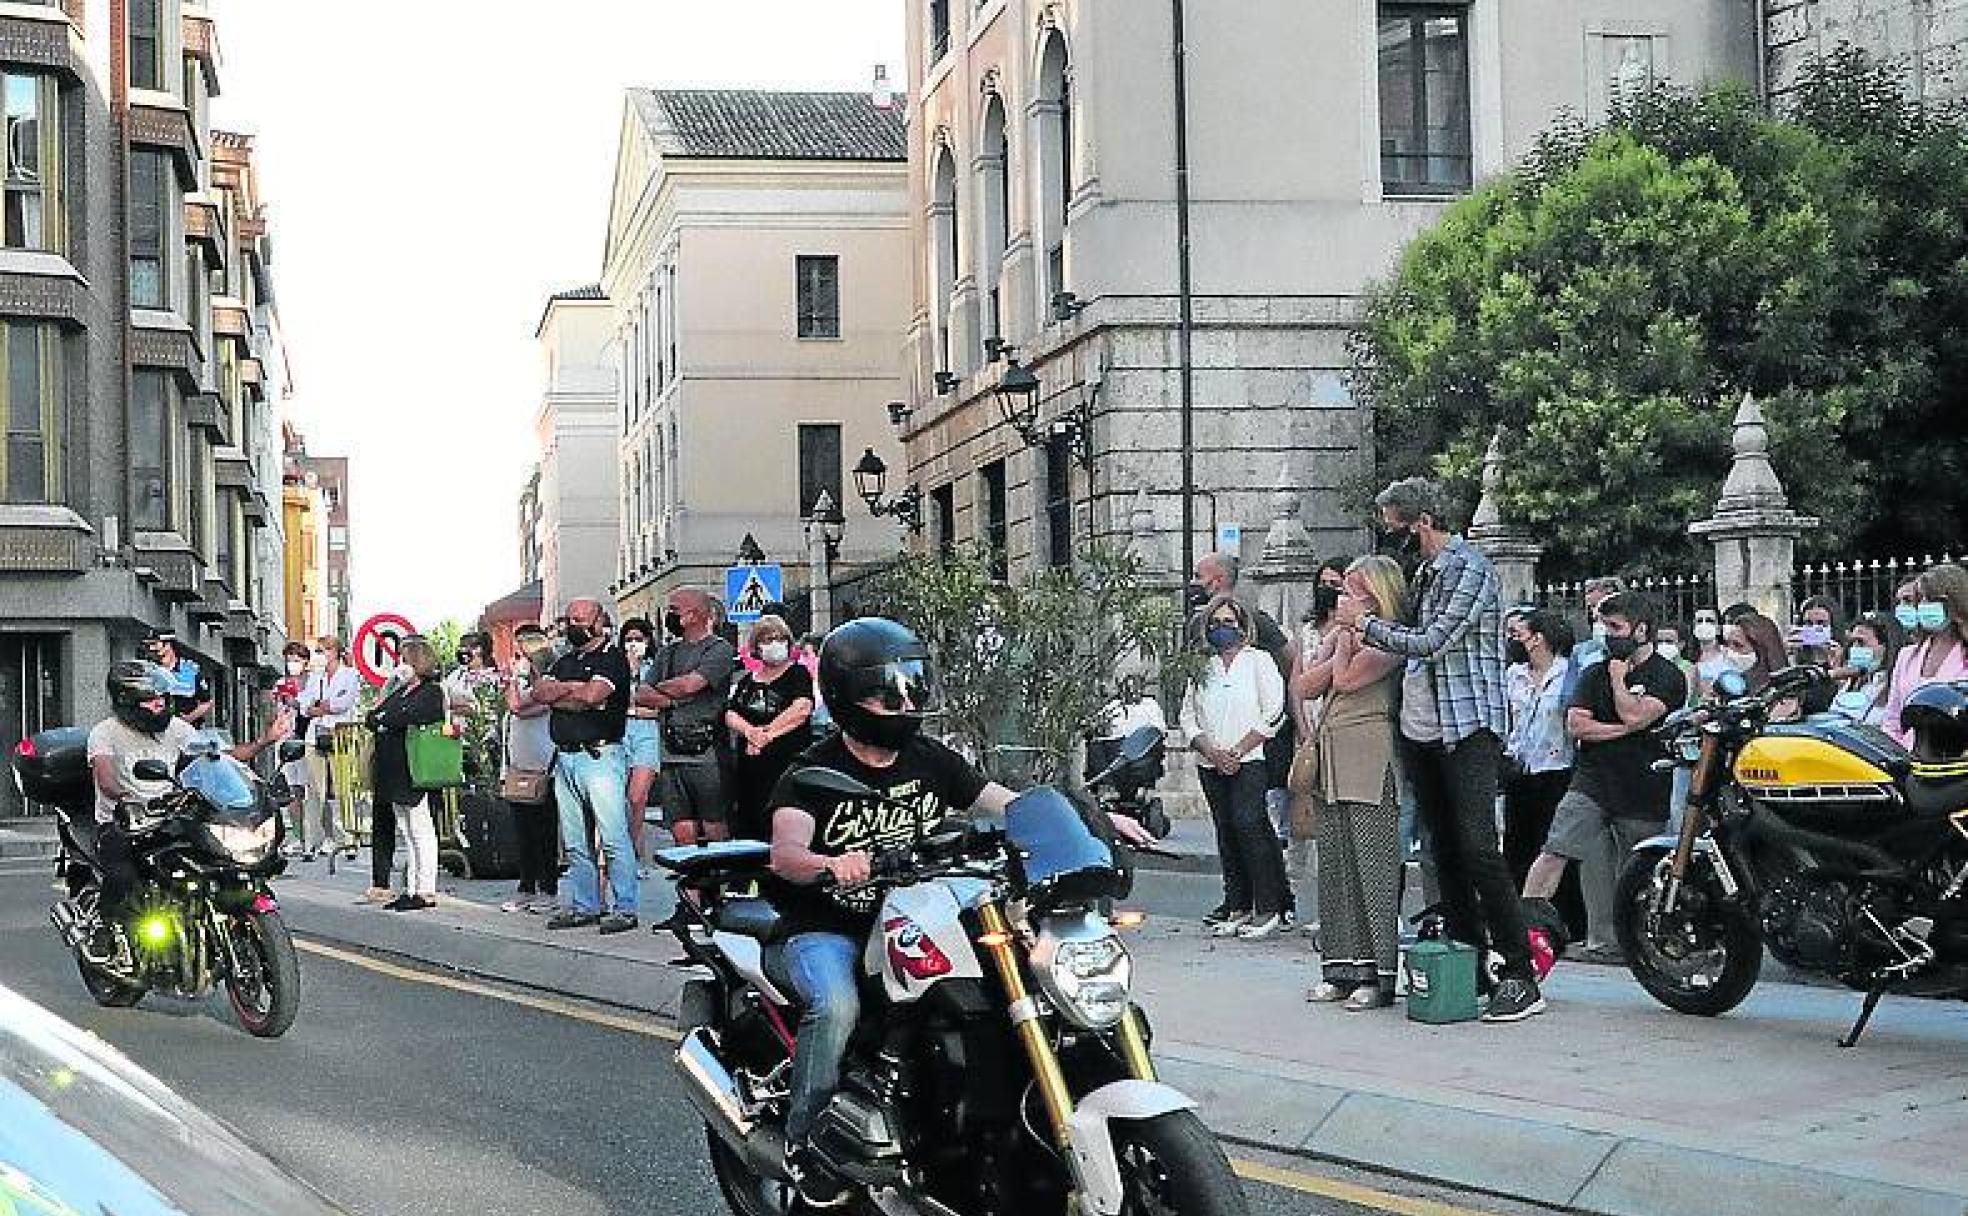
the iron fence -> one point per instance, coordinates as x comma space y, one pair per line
1859, 585
1678, 595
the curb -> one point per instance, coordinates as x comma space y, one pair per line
19, 846
1523, 1159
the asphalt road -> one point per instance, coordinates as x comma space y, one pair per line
395, 1095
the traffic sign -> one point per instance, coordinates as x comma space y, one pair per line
748, 589
376, 645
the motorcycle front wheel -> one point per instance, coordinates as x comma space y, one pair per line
265, 992
1172, 1165
1704, 957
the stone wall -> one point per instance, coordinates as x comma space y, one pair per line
1926, 39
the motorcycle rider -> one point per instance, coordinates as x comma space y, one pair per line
874, 674
141, 727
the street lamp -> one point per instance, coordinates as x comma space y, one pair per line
1018, 401
831, 524
870, 482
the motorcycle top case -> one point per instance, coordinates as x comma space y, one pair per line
53, 766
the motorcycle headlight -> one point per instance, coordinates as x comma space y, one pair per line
244, 844
1087, 977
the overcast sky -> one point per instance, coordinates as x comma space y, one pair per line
435, 169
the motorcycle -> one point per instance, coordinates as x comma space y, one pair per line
1126, 786
204, 915
1000, 1066
1823, 840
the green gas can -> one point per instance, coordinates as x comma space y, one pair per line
1441, 982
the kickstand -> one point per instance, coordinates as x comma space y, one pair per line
1865, 1015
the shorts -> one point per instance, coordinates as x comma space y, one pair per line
643, 741
1581, 825
694, 791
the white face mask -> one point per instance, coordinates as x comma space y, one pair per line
636, 650
403, 672
522, 667
318, 661
296, 666
1599, 630
1668, 650
1707, 631
775, 652
1741, 660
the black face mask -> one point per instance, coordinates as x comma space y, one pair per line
1515, 652
1195, 595
578, 635
673, 623
1622, 648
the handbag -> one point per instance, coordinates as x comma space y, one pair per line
437, 757
1303, 780
525, 785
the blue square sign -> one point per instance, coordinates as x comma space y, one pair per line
748, 589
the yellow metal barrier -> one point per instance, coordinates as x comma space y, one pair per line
348, 767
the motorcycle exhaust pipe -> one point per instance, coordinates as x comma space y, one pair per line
713, 1091
68, 922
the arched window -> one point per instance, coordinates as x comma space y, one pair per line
1055, 113
994, 166
943, 230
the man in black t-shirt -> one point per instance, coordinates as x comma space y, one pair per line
1616, 799
588, 690
693, 676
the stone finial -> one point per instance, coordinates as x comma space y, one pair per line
1752, 484
1141, 530
1488, 515
1288, 545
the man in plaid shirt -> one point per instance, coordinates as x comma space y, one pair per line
1453, 721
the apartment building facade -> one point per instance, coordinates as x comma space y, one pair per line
576, 522
756, 262
1046, 217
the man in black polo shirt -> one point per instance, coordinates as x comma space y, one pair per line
588, 691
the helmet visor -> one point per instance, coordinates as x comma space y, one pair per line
902, 686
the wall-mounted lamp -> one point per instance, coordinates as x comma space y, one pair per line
946, 383
1066, 305
899, 413
996, 348
871, 482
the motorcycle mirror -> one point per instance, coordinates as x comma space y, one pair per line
151, 770
292, 750
818, 780
1140, 741
1732, 684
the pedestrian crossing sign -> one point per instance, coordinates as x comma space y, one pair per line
748, 590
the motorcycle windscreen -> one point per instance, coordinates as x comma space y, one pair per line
1056, 856
221, 781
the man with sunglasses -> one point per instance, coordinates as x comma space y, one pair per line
874, 675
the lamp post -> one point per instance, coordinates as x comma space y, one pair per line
825, 526
1018, 402
871, 482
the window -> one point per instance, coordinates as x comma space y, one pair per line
1059, 503
819, 296
943, 505
939, 29
338, 539
33, 205
996, 193
153, 427
147, 43
152, 193
996, 533
225, 554
31, 463
201, 488
1056, 153
943, 266
1424, 99
819, 464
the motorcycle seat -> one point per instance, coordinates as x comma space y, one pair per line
1936, 797
749, 916
723, 857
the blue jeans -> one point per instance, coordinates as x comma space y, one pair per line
599, 784
822, 969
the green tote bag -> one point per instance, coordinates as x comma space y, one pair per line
437, 758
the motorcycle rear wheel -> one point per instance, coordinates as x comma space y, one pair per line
267, 998
1723, 927
106, 989
747, 1192
1172, 1165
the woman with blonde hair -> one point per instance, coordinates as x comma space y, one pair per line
1360, 831
413, 698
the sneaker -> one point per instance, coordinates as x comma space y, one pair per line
377, 895
1221, 913
543, 904
410, 903
1514, 1000
616, 922
1287, 920
1368, 996
1258, 930
1228, 926
1602, 956
1325, 992
570, 919
818, 1186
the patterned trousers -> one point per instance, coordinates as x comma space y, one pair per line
1360, 889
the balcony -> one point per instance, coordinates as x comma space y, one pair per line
201, 42
206, 412
232, 471
205, 227
211, 603
176, 573
167, 127
45, 540
43, 40
231, 321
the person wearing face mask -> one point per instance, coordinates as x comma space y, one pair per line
643, 739
1592, 648
1711, 659
693, 677
1936, 654
529, 754
412, 697
287, 696
1616, 799
1539, 751
1228, 712
1865, 680
1669, 645
768, 715
328, 699
1753, 646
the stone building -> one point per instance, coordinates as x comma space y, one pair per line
1927, 41
576, 526
139, 334
1320, 136
757, 260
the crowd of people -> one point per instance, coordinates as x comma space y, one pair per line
1508, 755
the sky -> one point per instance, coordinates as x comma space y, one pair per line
434, 169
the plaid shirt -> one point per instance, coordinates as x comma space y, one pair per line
1457, 609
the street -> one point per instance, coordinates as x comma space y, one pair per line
402, 1091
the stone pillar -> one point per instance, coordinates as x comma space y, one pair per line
1143, 544
820, 567
1753, 529
1511, 549
1288, 566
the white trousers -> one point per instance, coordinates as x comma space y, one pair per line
419, 830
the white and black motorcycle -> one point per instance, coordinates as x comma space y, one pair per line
1001, 1066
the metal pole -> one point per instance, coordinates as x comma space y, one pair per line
1186, 328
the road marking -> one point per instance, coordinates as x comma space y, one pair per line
544, 1004
1253, 1171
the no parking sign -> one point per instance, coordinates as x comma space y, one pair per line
377, 643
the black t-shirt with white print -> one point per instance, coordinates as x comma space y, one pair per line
931, 781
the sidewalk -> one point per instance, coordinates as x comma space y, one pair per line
1607, 1104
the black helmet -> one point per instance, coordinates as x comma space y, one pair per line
130, 684
875, 657
1938, 717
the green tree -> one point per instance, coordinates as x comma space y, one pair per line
1028, 664
1609, 302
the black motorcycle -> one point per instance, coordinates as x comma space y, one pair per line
1822, 839
1123, 783
203, 915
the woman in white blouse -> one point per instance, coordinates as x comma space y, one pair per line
1228, 712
